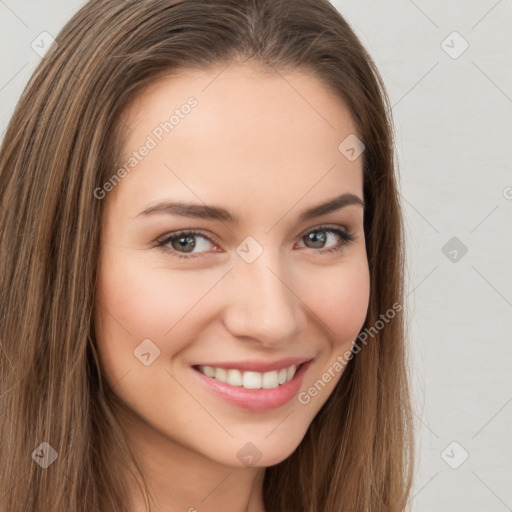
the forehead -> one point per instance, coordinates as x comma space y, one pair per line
265, 135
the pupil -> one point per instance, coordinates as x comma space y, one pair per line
313, 237
188, 239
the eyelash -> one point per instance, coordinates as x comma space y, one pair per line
346, 237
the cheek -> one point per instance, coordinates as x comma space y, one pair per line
136, 302
140, 302
149, 302
340, 299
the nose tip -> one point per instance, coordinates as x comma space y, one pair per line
262, 306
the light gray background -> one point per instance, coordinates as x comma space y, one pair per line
453, 128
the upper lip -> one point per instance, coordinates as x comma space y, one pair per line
258, 365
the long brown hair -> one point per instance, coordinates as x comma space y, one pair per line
63, 142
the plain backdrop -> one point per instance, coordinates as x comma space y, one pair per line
447, 69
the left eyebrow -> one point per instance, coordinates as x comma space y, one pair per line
218, 213
331, 206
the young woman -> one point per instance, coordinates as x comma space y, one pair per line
202, 267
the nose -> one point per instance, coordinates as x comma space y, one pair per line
262, 304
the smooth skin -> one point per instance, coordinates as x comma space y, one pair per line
264, 145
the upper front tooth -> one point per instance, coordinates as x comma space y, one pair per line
234, 377
282, 376
252, 380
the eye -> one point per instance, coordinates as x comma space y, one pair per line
319, 241
182, 244
184, 240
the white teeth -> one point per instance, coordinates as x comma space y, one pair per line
250, 380
234, 378
221, 374
270, 380
209, 371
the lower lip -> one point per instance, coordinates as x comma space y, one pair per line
256, 399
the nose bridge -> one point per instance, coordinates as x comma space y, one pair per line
262, 305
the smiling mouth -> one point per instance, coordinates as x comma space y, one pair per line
250, 379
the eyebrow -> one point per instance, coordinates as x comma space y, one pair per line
218, 213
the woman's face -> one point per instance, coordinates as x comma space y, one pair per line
266, 285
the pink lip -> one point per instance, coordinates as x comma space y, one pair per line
258, 366
256, 399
